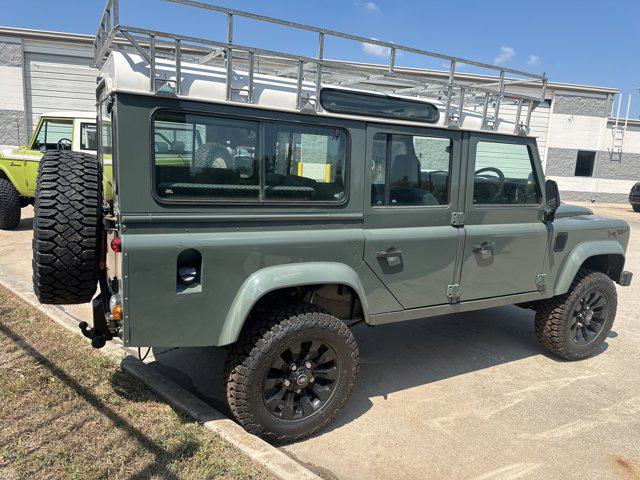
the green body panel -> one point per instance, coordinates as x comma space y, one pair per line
164, 316
13, 169
248, 251
282, 276
579, 254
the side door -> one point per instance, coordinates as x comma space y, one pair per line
52, 133
506, 238
412, 188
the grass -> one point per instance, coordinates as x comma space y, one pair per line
69, 412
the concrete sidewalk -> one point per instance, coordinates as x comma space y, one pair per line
470, 396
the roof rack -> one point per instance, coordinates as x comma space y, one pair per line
456, 91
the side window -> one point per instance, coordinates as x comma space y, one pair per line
305, 163
51, 133
410, 170
105, 142
205, 158
202, 157
504, 175
88, 136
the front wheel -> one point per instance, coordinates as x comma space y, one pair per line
9, 205
636, 207
575, 325
291, 372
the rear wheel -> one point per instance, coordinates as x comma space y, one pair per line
291, 372
575, 325
9, 205
68, 238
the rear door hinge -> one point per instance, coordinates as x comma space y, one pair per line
453, 293
457, 219
541, 282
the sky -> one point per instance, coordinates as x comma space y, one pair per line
589, 42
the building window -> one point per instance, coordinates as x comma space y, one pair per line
584, 163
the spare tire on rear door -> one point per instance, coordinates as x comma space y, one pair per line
213, 155
68, 236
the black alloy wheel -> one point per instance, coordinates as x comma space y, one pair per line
300, 380
589, 317
291, 371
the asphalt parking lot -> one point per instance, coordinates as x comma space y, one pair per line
470, 396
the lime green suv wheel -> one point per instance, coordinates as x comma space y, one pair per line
9, 205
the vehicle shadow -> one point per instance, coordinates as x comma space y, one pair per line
393, 357
161, 456
24, 225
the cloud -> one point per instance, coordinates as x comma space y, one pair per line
533, 60
369, 6
506, 54
375, 50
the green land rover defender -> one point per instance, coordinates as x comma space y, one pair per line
267, 202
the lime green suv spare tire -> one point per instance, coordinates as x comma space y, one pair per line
68, 235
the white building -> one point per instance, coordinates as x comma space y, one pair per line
42, 71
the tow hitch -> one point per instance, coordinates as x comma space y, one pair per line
100, 332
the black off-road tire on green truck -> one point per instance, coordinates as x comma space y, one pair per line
68, 235
563, 324
9, 205
261, 363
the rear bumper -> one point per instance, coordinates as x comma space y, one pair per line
625, 278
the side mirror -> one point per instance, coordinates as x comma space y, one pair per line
552, 200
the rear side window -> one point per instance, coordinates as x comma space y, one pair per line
209, 158
410, 170
305, 163
88, 136
198, 157
51, 133
504, 175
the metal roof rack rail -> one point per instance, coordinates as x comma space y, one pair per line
502, 85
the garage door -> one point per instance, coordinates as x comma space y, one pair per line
57, 82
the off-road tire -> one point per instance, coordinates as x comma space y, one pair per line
554, 316
636, 207
209, 153
9, 205
68, 237
270, 330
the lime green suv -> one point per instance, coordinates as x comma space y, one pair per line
19, 165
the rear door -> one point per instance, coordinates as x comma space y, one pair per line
412, 185
506, 239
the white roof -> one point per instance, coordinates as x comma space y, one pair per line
129, 72
71, 114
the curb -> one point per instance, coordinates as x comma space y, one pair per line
276, 462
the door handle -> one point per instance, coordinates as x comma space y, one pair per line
390, 253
